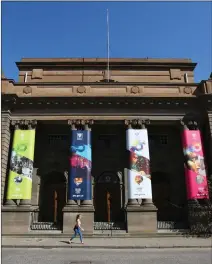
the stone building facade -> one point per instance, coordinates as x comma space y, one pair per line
55, 96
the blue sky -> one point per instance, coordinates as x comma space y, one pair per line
78, 29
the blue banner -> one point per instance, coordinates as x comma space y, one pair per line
80, 166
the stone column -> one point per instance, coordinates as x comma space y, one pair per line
70, 202
5, 141
29, 124
141, 213
131, 124
87, 126
146, 202
15, 125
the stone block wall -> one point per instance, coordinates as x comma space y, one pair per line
5, 141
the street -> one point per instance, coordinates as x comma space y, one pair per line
102, 256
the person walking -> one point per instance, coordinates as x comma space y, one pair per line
77, 229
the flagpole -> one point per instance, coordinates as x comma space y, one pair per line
108, 48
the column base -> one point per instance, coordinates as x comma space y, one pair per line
10, 203
86, 203
72, 203
25, 202
69, 218
147, 202
132, 203
141, 219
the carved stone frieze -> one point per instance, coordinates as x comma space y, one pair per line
137, 123
24, 124
27, 90
78, 124
187, 90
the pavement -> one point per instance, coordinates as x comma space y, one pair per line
105, 256
109, 243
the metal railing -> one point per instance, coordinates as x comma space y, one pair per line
38, 225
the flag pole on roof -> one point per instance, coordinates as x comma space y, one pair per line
108, 48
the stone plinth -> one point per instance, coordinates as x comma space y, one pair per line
141, 220
15, 220
69, 218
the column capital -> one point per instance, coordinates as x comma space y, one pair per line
189, 124
137, 123
81, 124
23, 124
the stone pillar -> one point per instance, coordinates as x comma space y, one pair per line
86, 206
70, 202
15, 125
141, 213
146, 202
5, 143
29, 124
87, 126
131, 124
210, 143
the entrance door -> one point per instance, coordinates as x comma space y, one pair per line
107, 203
53, 201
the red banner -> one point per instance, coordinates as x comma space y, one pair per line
195, 173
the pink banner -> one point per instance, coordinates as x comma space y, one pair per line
195, 173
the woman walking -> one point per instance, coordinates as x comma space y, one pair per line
78, 229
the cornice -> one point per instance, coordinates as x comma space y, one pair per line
113, 64
52, 84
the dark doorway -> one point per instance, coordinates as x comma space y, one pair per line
168, 180
53, 198
107, 198
109, 161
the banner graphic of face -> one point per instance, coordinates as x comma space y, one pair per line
80, 166
195, 173
139, 179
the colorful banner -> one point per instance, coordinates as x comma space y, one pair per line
80, 166
195, 173
21, 165
139, 179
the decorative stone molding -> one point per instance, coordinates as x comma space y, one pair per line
137, 123
27, 90
81, 89
24, 124
175, 74
134, 90
37, 73
80, 124
187, 90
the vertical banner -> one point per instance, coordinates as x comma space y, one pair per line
139, 179
80, 166
21, 165
195, 173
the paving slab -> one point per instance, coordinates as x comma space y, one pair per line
112, 243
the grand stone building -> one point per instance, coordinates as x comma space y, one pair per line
57, 96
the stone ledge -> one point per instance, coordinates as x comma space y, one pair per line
141, 209
78, 209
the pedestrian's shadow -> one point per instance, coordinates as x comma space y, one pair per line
67, 242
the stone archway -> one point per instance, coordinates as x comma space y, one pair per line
108, 198
53, 198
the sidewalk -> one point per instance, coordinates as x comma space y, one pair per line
110, 243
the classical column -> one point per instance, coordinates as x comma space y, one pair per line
80, 184
6, 137
139, 179
21, 162
88, 166
195, 172
130, 124
70, 200
148, 193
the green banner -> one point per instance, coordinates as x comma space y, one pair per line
21, 165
